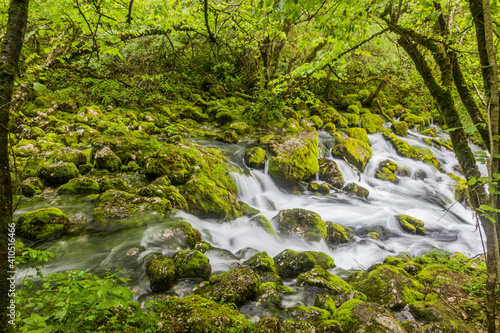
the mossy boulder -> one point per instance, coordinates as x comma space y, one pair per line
357, 190
224, 115
352, 119
325, 302
105, 158
114, 204
322, 279
42, 102
357, 133
26, 148
305, 314
197, 314
171, 161
235, 286
75, 156
82, 185
263, 265
386, 171
322, 189
264, 223
87, 114
192, 264
356, 152
336, 234
190, 112
168, 192
389, 286
301, 222
31, 133
42, 224
255, 157
330, 173
193, 236
330, 115
240, 128
294, 157
57, 173
371, 122
162, 274
32, 186
291, 263
267, 296
404, 149
113, 184
400, 128
229, 136
357, 316
411, 225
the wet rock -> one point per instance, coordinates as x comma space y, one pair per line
321, 189
400, 128
197, 315
168, 192
263, 265
357, 190
411, 225
255, 157
114, 204
301, 222
74, 156
267, 296
371, 122
228, 136
388, 285
357, 133
320, 278
57, 173
87, 114
240, 128
291, 263
269, 325
235, 286
162, 274
113, 184
386, 171
325, 302
263, 222
192, 235
105, 158
298, 326
248, 210
42, 224
32, 186
330, 173
336, 234
309, 314
190, 112
192, 264
82, 185
294, 157
356, 152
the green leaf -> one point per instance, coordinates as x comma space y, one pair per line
485, 207
39, 87
472, 181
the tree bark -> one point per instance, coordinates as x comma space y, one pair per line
10, 51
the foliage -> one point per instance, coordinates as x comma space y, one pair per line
77, 301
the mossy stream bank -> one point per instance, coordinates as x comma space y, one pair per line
243, 230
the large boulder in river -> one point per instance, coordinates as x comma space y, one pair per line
330, 173
291, 263
411, 225
301, 222
355, 151
192, 264
162, 274
105, 158
57, 173
255, 157
294, 157
82, 185
42, 224
234, 286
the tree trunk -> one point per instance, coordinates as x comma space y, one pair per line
9, 56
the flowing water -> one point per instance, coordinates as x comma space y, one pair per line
425, 193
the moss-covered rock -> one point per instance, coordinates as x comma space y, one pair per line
113, 184
255, 157
267, 296
411, 225
357, 190
357, 316
330, 173
301, 222
263, 265
192, 264
460, 187
400, 128
235, 286
240, 128
336, 234
352, 119
75, 156
57, 173
294, 157
228, 136
42, 224
87, 114
309, 314
389, 286
386, 171
32, 186
82, 185
325, 302
291, 263
161, 273
190, 112
322, 279
105, 158
371, 122
114, 204
196, 314
357, 133
416, 153
263, 222
168, 192
354, 151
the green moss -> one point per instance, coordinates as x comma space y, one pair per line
416, 153
308, 314
344, 315
320, 278
57, 173
162, 274
42, 224
196, 314
255, 157
267, 295
31, 186
352, 119
357, 133
322, 260
317, 122
336, 234
386, 171
262, 221
400, 128
357, 190
354, 109
88, 114
81, 185
192, 264
113, 184
228, 136
302, 222
371, 122
411, 224
355, 151
431, 131
326, 302
291, 263
192, 234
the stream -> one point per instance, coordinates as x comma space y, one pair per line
425, 193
